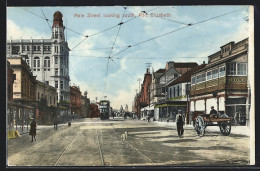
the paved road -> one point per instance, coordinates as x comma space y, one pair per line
98, 143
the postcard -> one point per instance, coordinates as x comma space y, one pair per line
130, 86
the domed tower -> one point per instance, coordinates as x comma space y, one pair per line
57, 27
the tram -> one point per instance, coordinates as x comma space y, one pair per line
105, 109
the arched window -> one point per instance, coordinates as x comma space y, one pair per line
47, 62
36, 62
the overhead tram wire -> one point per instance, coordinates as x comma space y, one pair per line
177, 30
46, 19
120, 24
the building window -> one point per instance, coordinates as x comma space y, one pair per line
241, 69
28, 48
15, 50
56, 60
47, 82
201, 78
56, 72
38, 48
61, 97
215, 73
27, 61
56, 49
236, 69
61, 72
56, 84
209, 75
232, 69
36, 62
222, 71
193, 80
34, 48
47, 62
178, 91
61, 60
170, 95
61, 84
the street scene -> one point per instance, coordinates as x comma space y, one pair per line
130, 86
91, 142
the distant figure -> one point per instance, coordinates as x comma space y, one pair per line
69, 124
55, 123
179, 123
33, 129
123, 137
236, 116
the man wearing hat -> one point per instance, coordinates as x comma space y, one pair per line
212, 112
179, 123
33, 129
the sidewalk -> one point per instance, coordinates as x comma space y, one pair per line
242, 130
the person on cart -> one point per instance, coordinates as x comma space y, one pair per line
213, 112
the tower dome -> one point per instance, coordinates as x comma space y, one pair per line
57, 19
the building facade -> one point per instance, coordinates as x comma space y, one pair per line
178, 94
47, 92
223, 83
10, 82
85, 102
75, 100
47, 58
173, 70
21, 107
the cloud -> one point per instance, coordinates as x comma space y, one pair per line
16, 32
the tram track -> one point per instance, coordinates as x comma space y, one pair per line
135, 149
33, 149
100, 149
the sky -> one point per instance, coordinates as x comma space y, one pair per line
166, 33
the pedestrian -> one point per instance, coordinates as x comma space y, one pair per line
33, 129
236, 118
179, 123
55, 123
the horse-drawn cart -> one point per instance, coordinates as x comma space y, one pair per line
201, 121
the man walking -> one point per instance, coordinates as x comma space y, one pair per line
179, 123
33, 129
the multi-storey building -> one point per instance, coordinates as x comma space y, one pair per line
24, 88
10, 82
75, 100
156, 87
46, 92
178, 93
47, 58
223, 83
173, 70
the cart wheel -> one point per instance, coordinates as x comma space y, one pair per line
200, 126
225, 127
